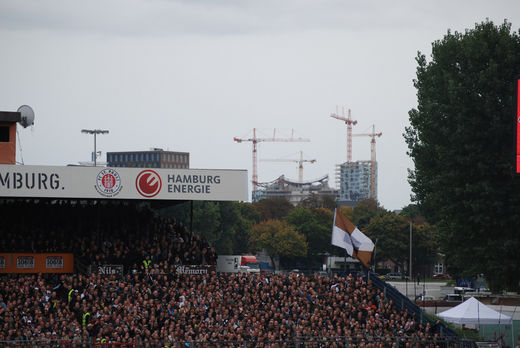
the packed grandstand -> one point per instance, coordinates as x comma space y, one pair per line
151, 304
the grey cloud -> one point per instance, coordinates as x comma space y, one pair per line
199, 17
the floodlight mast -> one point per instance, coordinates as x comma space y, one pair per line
95, 132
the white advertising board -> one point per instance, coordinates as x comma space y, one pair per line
123, 183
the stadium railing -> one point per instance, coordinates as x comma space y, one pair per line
310, 342
403, 302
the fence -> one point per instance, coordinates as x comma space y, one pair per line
403, 302
311, 342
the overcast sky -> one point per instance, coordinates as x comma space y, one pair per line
191, 75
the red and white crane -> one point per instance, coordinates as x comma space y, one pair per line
349, 122
373, 135
256, 140
299, 161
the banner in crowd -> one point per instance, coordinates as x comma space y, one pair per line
195, 269
36, 263
109, 269
122, 183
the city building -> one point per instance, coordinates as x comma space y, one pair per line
354, 181
8, 121
155, 158
294, 191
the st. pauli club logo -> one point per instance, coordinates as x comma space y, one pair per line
108, 183
148, 183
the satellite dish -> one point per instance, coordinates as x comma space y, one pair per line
27, 115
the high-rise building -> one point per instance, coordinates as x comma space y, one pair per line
354, 181
155, 158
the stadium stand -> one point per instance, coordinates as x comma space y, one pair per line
119, 233
150, 304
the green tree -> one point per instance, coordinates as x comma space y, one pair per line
424, 243
318, 201
324, 217
390, 233
348, 212
460, 139
206, 221
328, 202
315, 225
273, 208
222, 224
278, 238
248, 217
364, 211
230, 227
412, 211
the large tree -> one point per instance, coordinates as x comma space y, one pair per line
248, 217
319, 201
391, 234
277, 238
273, 208
461, 141
315, 225
366, 210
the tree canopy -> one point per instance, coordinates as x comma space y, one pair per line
364, 211
315, 225
273, 208
390, 232
278, 238
461, 141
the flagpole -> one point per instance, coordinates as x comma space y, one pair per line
345, 263
512, 328
375, 251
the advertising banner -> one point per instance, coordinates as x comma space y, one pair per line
122, 183
36, 263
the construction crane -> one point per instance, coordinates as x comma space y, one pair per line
373, 135
349, 122
299, 161
256, 140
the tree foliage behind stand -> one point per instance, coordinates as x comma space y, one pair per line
300, 236
461, 141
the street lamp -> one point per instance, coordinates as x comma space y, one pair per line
95, 132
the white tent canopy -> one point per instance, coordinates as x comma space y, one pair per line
472, 311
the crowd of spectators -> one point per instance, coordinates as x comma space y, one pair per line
167, 309
154, 304
102, 233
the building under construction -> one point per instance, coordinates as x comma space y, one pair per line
294, 191
354, 180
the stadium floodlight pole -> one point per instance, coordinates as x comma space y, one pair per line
95, 132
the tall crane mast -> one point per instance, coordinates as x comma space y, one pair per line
373, 135
349, 122
299, 161
256, 140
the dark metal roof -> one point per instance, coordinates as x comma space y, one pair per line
10, 116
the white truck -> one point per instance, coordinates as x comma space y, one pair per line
238, 264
